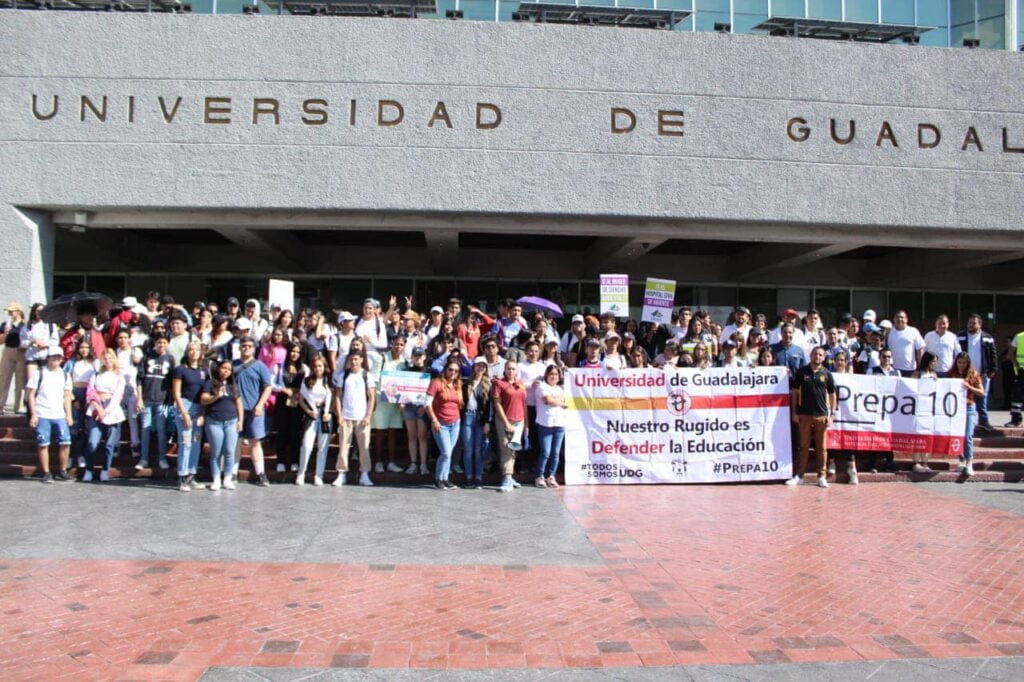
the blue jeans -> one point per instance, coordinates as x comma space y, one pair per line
190, 441
981, 402
154, 418
972, 421
222, 437
550, 438
445, 439
473, 455
79, 430
109, 435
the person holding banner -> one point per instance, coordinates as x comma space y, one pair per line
445, 412
551, 417
926, 369
414, 417
510, 422
813, 393
975, 388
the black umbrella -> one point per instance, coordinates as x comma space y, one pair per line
65, 308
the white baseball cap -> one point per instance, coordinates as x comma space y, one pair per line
577, 318
869, 315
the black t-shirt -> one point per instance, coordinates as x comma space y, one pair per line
192, 381
223, 408
13, 331
155, 378
814, 387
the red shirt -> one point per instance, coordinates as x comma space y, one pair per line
446, 409
512, 398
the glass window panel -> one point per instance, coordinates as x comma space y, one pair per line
399, 288
976, 303
675, 4
204, 6
186, 289
140, 285
721, 296
825, 9
747, 14
231, 6
898, 11
111, 285
930, 13
562, 293
67, 284
788, 8
961, 21
1020, 23
799, 299
442, 7
505, 9
869, 300
992, 32
481, 293
347, 294
940, 303
831, 303
910, 301
645, 4
481, 10
590, 298
431, 292
759, 300
711, 12
862, 10
1009, 309
938, 37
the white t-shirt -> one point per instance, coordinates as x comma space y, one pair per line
82, 371
528, 373
319, 395
776, 337
340, 345
943, 347
617, 361
497, 370
732, 329
353, 399
376, 331
974, 348
548, 415
904, 346
50, 393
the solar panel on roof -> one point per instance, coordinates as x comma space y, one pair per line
825, 29
548, 13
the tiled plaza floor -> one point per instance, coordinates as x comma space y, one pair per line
686, 575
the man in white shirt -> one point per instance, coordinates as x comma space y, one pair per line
355, 396
741, 324
259, 325
789, 316
943, 344
49, 403
495, 363
570, 339
339, 343
906, 343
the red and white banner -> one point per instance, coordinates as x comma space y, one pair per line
904, 415
677, 426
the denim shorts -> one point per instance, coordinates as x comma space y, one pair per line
411, 413
44, 431
253, 426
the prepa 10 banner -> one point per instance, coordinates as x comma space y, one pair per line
906, 415
677, 426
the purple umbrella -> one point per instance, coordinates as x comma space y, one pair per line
531, 303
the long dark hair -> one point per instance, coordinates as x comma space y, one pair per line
215, 375
969, 373
288, 364
34, 313
310, 380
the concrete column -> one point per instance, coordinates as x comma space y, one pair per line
26, 255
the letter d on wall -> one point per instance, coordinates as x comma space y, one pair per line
619, 114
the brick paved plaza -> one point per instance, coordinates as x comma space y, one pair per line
137, 581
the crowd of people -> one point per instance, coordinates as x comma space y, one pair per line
180, 376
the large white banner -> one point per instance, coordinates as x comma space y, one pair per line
905, 415
677, 426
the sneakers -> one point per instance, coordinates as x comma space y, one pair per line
551, 481
457, 468
424, 469
87, 476
439, 484
969, 469
822, 483
215, 485
194, 483
831, 468
448, 485
317, 481
516, 484
163, 463
143, 464
81, 462
921, 469
506, 485
339, 480
1011, 424
961, 468
61, 477
364, 479
229, 483
281, 468
301, 480
104, 475
412, 470
378, 468
294, 468
47, 477
183, 486
852, 473
394, 468
136, 451
540, 482
796, 480
262, 480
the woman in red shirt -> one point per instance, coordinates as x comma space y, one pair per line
509, 421
444, 411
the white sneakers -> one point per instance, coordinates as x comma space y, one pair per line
424, 469
364, 479
300, 480
215, 485
143, 464
831, 467
164, 464
852, 473
339, 480
87, 476
229, 483
104, 475
966, 469
394, 468
822, 483
413, 469
317, 481
81, 462
796, 480
378, 468
281, 468
921, 469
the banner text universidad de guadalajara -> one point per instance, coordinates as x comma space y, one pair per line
733, 424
